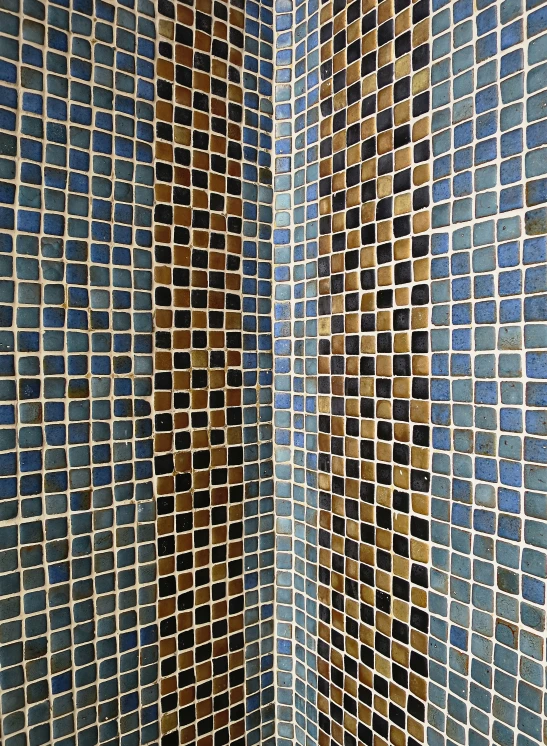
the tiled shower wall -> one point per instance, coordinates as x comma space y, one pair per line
79, 635
213, 374
137, 479
273, 294
352, 319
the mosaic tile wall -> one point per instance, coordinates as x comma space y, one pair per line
488, 561
295, 355
357, 272
410, 377
137, 489
273, 294
79, 649
213, 396
373, 368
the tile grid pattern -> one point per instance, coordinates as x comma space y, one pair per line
77, 531
257, 366
282, 330
488, 568
373, 372
213, 372
136, 217
295, 333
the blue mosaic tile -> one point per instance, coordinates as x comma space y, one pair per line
273, 360
79, 656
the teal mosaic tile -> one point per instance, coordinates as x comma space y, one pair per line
272, 347
78, 609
